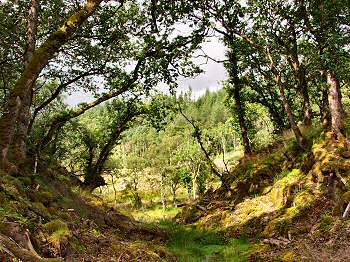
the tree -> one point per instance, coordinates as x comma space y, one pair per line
326, 21
92, 139
19, 101
116, 37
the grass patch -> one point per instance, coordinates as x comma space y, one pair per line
154, 214
191, 245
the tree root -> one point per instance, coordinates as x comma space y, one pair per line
16, 251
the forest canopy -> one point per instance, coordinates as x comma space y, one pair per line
287, 65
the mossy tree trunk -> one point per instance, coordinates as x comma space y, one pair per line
17, 103
20, 140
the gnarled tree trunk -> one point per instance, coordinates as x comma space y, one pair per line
20, 141
22, 90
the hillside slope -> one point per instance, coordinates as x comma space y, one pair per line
47, 215
289, 202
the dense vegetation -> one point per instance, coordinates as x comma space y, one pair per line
252, 161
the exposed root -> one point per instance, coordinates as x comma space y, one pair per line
16, 251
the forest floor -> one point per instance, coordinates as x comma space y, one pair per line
48, 218
285, 205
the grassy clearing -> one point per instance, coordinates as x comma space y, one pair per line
191, 245
154, 214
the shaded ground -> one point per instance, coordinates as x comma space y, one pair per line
41, 216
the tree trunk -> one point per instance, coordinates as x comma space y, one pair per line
23, 87
162, 185
335, 105
306, 99
93, 181
324, 110
194, 186
20, 141
299, 137
174, 196
235, 91
242, 124
300, 74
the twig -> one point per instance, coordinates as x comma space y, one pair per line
346, 211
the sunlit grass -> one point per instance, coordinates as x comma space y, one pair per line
154, 214
191, 245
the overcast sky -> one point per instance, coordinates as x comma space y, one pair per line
214, 74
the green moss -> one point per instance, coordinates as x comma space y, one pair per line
77, 245
282, 189
11, 212
64, 201
303, 199
40, 209
45, 197
278, 226
288, 256
59, 232
26, 181
346, 196
56, 225
2, 226
326, 223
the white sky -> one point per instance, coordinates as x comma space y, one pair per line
214, 74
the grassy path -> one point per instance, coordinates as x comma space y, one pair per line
190, 244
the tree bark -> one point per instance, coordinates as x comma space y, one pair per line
299, 137
325, 113
174, 196
239, 110
20, 141
162, 192
22, 90
300, 74
335, 105
239, 107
